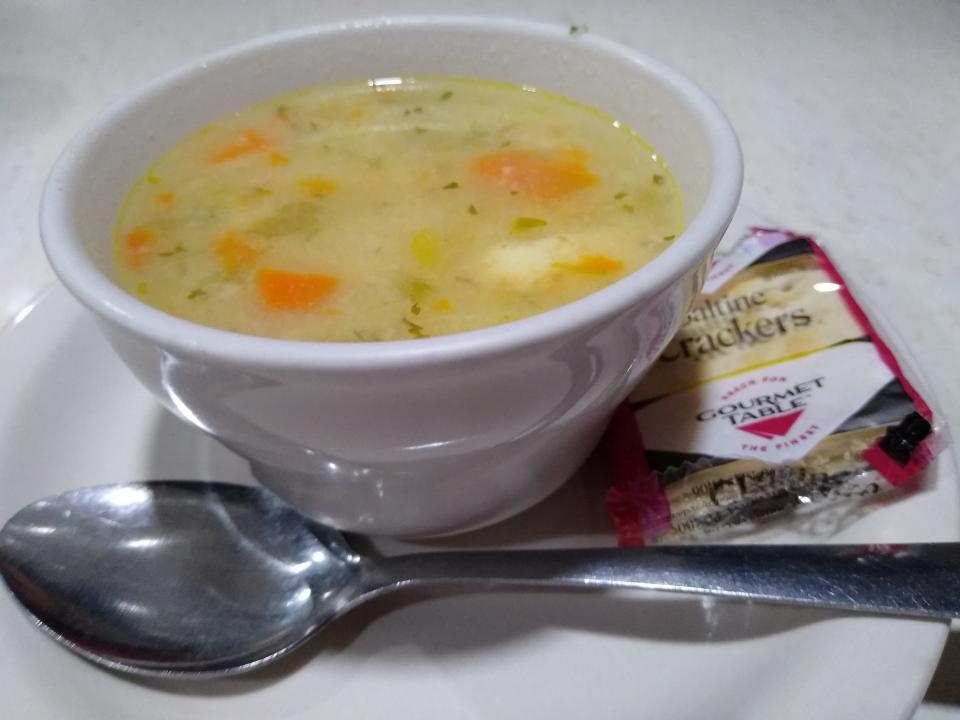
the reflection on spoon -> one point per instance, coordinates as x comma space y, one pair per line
196, 578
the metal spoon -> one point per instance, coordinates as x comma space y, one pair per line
212, 579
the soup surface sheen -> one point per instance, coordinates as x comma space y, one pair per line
393, 209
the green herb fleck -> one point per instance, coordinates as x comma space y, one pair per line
196, 294
513, 192
142, 288
419, 130
405, 114
262, 190
446, 94
168, 253
619, 196
527, 223
313, 126
418, 109
476, 135
574, 29
283, 112
473, 210
417, 289
659, 179
451, 185
668, 238
415, 308
505, 143
364, 337
153, 180
628, 208
414, 329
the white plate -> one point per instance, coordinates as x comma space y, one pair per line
71, 415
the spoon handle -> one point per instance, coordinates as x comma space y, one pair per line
921, 580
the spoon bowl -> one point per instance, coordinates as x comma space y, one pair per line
202, 579
194, 577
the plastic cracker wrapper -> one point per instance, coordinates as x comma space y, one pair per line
777, 396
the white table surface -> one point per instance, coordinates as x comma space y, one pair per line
848, 112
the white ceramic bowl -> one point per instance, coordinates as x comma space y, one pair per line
417, 437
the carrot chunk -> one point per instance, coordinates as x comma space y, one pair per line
592, 265
138, 246
543, 175
284, 290
249, 141
236, 253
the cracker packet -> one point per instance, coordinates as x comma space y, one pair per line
777, 396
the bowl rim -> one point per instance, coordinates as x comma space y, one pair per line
106, 299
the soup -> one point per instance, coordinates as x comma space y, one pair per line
393, 209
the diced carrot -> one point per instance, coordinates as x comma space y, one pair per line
138, 247
317, 185
543, 175
592, 265
236, 253
278, 158
284, 290
249, 141
165, 199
